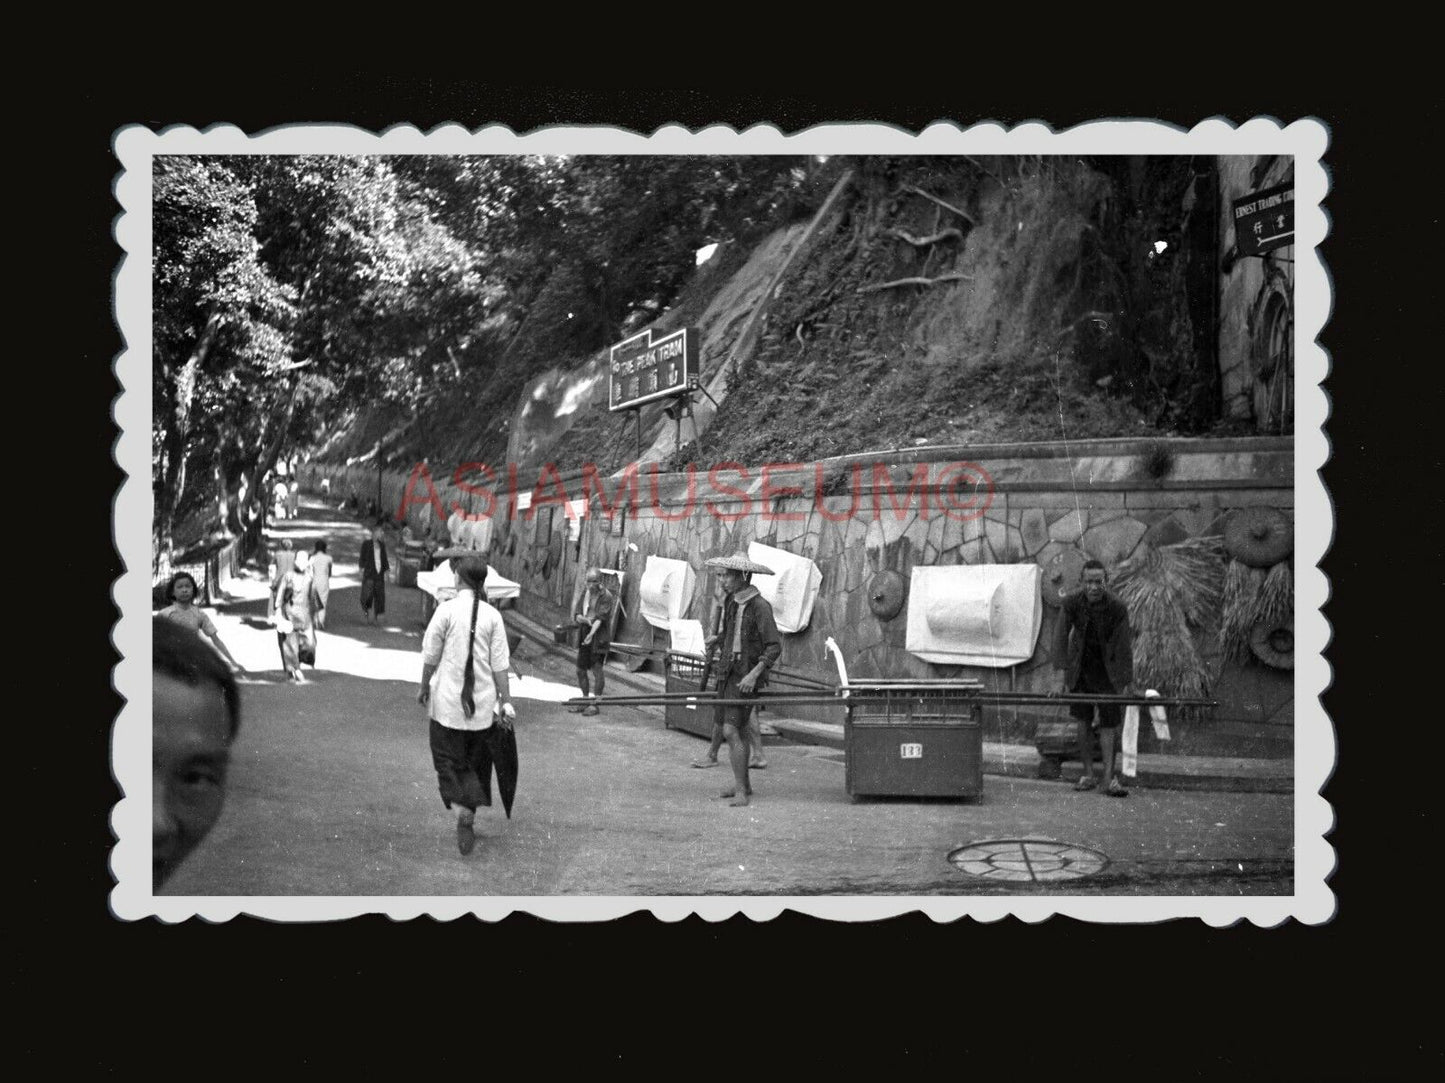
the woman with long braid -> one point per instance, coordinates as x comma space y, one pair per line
464, 684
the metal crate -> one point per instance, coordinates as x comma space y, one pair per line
684, 673
914, 741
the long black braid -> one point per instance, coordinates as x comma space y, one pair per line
469, 681
472, 572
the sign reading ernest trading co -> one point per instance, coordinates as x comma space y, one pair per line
644, 368
1264, 221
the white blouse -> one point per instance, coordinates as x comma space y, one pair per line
445, 646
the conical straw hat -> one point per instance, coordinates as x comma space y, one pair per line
737, 562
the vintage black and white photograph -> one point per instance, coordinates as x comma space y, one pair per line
851, 522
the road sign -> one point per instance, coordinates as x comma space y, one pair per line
644, 368
1264, 221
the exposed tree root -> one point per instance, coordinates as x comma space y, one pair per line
942, 203
923, 242
950, 277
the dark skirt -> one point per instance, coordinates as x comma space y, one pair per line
464, 761
373, 594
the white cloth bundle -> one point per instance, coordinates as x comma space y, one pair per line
1131, 732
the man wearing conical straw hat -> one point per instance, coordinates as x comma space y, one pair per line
747, 647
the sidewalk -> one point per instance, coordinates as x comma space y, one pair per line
1213, 773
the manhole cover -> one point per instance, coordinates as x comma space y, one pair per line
1037, 860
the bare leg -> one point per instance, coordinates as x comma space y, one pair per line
582, 684
1086, 749
710, 760
1108, 736
755, 742
738, 756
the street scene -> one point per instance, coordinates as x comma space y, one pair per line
332, 793
728, 525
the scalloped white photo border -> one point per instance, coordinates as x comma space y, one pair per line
1306, 140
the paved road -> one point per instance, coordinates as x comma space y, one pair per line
332, 793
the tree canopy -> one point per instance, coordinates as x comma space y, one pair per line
290, 291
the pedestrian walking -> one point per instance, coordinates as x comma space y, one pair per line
293, 604
465, 688
747, 647
594, 621
284, 560
195, 712
1093, 645
293, 498
181, 592
374, 566
321, 579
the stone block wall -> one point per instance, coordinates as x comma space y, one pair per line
1019, 503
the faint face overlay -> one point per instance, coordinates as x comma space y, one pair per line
190, 754
1093, 583
592, 577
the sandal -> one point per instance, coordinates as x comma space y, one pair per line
1116, 789
1086, 782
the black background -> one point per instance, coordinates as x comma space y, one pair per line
1175, 1000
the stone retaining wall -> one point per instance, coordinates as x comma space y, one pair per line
1016, 503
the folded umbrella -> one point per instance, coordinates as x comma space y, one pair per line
503, 742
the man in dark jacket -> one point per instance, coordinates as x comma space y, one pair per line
747, 647
1093, 645
374, 566
594, 620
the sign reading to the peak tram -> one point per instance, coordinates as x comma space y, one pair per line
645, 368
1264, 221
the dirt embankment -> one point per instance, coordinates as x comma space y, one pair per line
974, 344
945, 304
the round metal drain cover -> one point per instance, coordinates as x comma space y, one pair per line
1028, 860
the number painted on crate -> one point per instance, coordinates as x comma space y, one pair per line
910, 751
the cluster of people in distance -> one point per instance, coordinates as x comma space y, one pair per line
286, 499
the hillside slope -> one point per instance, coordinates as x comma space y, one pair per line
945, 301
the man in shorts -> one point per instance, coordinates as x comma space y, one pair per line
594, 620
747, 647
1093, 645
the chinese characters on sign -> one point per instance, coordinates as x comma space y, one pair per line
1264, 221
643, 368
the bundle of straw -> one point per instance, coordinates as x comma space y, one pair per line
1169, 592
1252, 595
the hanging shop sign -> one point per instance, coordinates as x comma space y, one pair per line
644, 368
1264, 221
